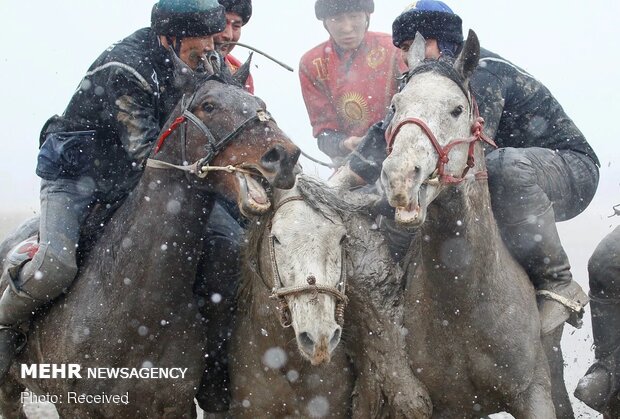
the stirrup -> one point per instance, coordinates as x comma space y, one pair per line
575, 306
601, 403
575, 309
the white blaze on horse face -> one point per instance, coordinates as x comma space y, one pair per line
433, 99
310, 244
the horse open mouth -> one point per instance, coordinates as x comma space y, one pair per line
253, 198
414, 214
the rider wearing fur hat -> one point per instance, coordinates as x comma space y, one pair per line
95, 152
238, 13
544, 170
348, 81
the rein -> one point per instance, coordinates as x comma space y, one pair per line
201, 167
439, 176
279, 292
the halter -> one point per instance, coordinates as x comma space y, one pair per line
201, 167
439, 175
279, 291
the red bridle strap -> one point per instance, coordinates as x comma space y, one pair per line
443, 152
177, 122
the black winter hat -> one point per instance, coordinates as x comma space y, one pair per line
188, 18
326, 8
242, 7
433, 19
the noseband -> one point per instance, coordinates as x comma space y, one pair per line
279, 291
201, 167
439, 175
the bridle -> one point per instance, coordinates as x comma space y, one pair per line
439, 176
201, 167
279, 292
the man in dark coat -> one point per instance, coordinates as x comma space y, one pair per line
96, 151
544, 170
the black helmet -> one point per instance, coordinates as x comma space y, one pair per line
242, 7
326, 8
188, 18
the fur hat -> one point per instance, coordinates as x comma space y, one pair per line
432, 18
188, 18
326, 8
242, 7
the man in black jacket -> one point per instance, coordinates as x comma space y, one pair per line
544, 170
97, 149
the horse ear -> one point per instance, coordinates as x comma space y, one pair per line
467, 60
243, 72
187, 80
417, 51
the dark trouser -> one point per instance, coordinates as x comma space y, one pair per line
602, 380
525, 182
216, 286
531, 189
65, 204
604, 271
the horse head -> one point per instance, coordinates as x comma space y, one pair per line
433, 139
306, 256
225, 136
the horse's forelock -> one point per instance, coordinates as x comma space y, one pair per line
443, 67
321, 197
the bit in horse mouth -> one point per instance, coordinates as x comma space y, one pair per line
253, 191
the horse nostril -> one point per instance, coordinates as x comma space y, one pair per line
333, 342
273, 157
306, 341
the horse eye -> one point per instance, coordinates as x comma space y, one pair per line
208, 107
343, 239
457, 111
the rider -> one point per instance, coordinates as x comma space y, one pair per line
96, 151
544, 170
344, 79
238, 13
602, 381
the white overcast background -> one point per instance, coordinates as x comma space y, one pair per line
571, 46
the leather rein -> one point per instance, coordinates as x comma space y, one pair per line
279, 292
201, 167
440, 176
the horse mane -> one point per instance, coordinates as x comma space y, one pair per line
328, 201
444, 67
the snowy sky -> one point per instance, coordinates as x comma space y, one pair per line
569, 45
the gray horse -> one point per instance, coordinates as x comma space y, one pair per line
305, 259
470, 309
132, 304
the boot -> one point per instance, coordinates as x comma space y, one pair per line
16, 307
536, 246
601, 382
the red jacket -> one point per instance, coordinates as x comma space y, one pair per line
351, 91
234, 64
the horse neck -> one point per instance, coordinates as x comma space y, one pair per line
460, 240
164, 220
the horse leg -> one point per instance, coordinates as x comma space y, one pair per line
10, 399
536, 402
377, 351
555, 358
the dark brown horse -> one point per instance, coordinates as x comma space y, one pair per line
305, 258
470, 309
132, 304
